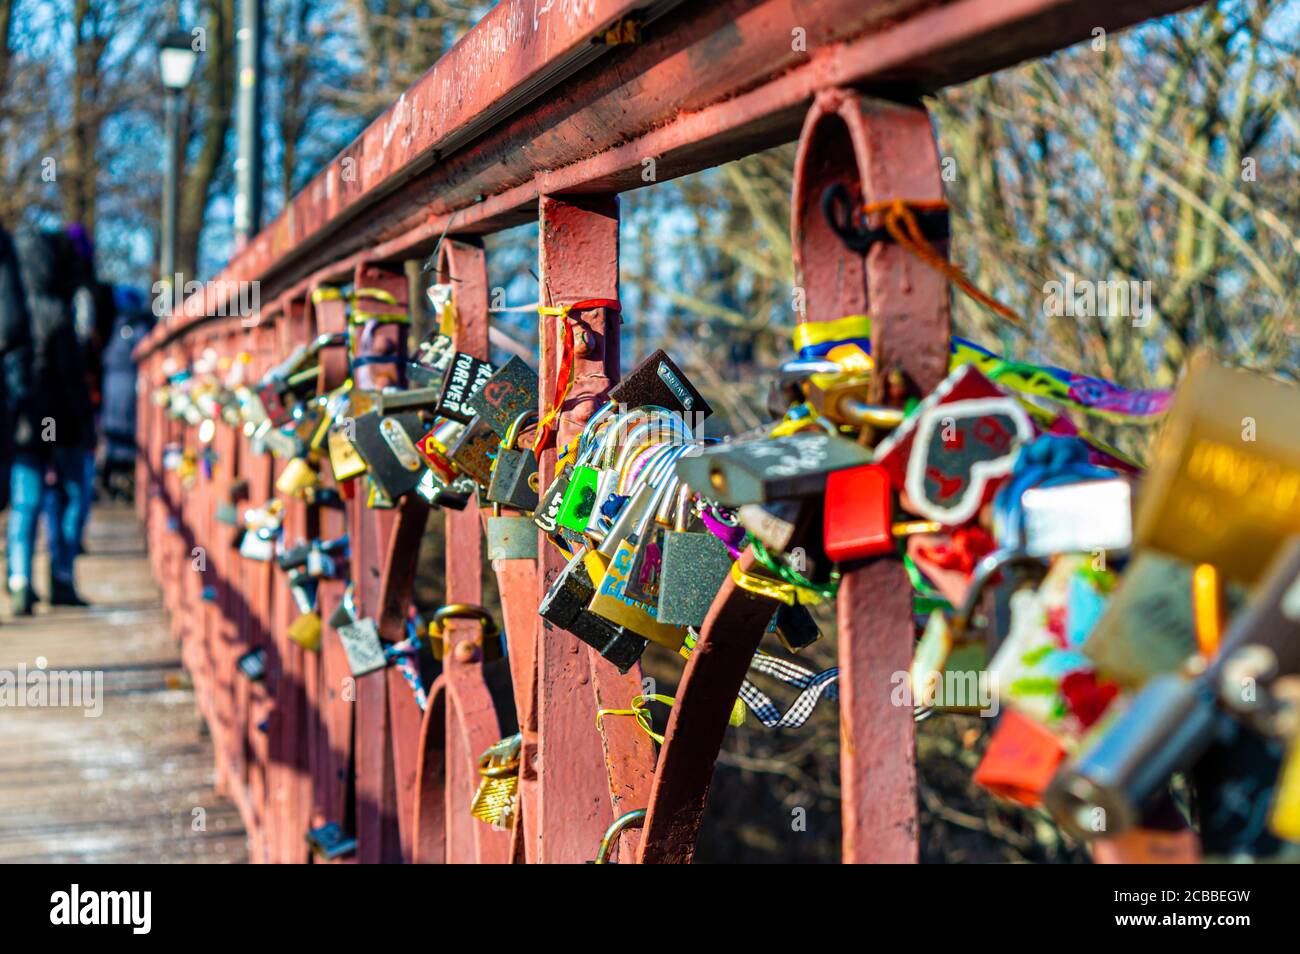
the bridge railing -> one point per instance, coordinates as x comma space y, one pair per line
532, 116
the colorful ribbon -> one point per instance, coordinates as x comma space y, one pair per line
1095, 396
564, 375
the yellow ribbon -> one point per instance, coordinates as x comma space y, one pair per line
787, 593
811, 333
639, 712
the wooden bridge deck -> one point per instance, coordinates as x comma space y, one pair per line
134, 783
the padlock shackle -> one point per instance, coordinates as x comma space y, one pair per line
465, 611
632, 819
985, 570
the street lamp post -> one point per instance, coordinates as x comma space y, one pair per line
176, 58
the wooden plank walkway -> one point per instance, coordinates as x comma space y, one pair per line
133, 784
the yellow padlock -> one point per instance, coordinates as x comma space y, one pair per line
1285, 820
305, 631
297, 478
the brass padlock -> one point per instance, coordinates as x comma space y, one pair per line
495, 800
514, 472
305, 631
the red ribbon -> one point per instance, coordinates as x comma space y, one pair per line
547, 426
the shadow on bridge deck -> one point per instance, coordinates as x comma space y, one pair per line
134, 783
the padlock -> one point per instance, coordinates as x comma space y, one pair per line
305, 630
297, 478
613, 604
258, 545
253, 664
465, 376
565, 606
658, 382
379, 349
953, 452
579, 499
475, 450
490, 641
514, 472
695, 565
1021, 760
794, 626
1149, 624
775, 524
1174, 719
858, 516
345, 462
1212, 497
845, 399
409, 400
949, 671
1235, 782
510, 538
796, 465
510, 392
495, 800
547, 513
435, 446
331, 842
387, 444
1285, 818
362, 645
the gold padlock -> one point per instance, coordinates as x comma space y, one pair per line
1224, 484
345, 462
297, 478
305, 631
494, 802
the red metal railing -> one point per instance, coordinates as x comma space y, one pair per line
527, 118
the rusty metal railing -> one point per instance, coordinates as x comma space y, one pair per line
528, 119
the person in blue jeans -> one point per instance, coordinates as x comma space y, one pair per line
27, 489
52, 418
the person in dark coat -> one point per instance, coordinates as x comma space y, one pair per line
52, 417
117, 414
15, 329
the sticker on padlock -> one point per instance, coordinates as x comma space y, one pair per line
387, 444
951, 454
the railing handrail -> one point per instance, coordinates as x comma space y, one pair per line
474, 142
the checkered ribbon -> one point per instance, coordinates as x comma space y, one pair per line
404, 655
814, 685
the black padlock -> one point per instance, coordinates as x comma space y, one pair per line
658, 382
465, 375
565, 606
387, 444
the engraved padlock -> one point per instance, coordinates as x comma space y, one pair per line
514, 472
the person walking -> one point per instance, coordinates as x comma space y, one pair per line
52, 418
15, 327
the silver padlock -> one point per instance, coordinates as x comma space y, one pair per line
511, 538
